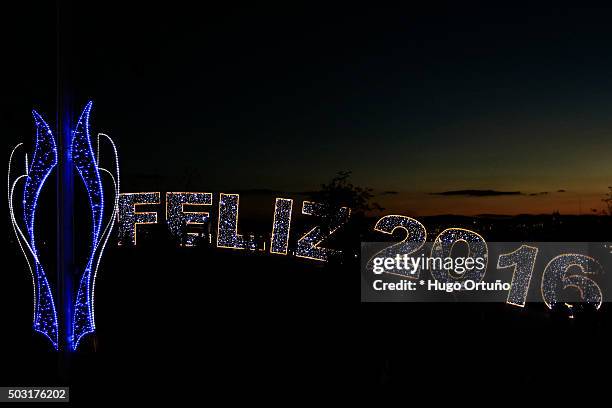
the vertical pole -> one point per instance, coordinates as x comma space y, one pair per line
65, 194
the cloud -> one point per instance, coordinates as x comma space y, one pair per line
477, 193
561, 191
539, 194
389, 192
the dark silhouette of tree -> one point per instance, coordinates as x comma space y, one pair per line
608, 201
341, 192
192, 177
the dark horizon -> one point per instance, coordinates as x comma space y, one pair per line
416, 101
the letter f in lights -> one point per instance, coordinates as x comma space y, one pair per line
26, 226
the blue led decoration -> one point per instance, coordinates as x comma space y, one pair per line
83, 158
87, 167
43, 161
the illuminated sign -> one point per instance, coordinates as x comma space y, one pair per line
565, 271
44, 161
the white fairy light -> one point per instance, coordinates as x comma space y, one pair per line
111, 222
227, 223
443, 248
308, 246
18, 233
523, 261
415, 237
556, 279
178, 219
281, 225
129, 219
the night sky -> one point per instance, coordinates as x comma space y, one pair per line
414, 101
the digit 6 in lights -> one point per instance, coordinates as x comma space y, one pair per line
563, 272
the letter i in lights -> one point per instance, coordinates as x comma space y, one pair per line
44, 161
227, 228
281, 225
